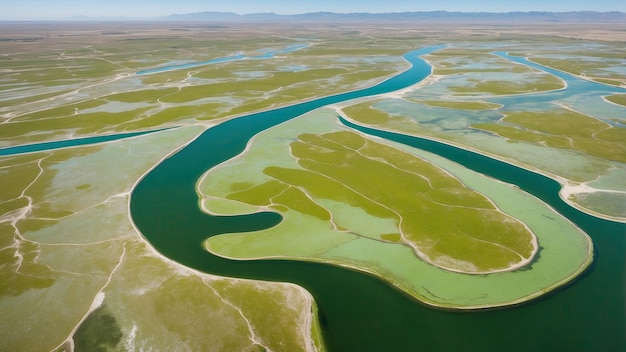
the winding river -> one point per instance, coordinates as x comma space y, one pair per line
359, 312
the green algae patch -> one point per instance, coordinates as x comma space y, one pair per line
347, 217
99, 332
371, 226
280, 313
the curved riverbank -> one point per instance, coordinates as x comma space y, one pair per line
352, 238
359, 312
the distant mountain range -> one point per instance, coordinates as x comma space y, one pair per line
535, 16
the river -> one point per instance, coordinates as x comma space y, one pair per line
359, 312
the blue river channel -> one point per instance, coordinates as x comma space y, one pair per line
268, 54
66, 143
359, 312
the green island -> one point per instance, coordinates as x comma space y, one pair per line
382, 222
617, 99
419, 198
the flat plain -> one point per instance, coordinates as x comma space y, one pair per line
76, 274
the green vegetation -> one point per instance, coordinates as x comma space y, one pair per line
275, 312
146, 95
99, 332
61, 111
563, 129
480, 72
57, 257
594, 66
617, 99
315, 155
368, 115
159, 118
509, 87
611, 204
284, 86
83, 124
435, 213
65, 234
468, 77
466, 105
30, 176
56, 91
20, 271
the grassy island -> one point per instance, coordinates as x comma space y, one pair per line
446, 223
414, 220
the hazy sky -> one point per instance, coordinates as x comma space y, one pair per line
42, 9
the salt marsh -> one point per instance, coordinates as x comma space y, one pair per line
73, 259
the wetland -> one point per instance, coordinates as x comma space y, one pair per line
333, 197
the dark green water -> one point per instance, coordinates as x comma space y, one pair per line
360, 312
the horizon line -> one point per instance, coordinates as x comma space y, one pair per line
141, 18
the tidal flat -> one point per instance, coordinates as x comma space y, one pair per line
76, 273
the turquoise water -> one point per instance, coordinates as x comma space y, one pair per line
359, 312
38, 147
268, 54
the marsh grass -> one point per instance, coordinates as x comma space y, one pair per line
465, 105
474, 64
48, 90
617, 99
592, 65
563, 129
81, 124
435, 213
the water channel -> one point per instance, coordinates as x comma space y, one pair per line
267, 54
68, 143
359, 312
